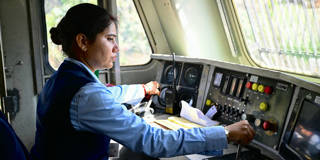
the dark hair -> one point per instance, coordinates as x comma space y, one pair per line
84, 18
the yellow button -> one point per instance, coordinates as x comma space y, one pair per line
254, 86
208, 102
261, 88
263, 106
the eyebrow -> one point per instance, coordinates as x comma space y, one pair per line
113, 35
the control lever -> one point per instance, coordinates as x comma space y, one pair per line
238, 152
149, 104
149, 111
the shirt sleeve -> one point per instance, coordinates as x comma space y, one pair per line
95, 109
131, 94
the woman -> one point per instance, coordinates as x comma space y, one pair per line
77, 115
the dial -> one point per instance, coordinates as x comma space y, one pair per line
169, 74
191, 76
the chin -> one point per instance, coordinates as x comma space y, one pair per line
109, 66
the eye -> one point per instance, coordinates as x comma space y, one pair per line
110, 38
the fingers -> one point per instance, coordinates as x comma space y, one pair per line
241, 132
152, 87
251, 132
157, 92
248, 133
157, 88
156, 84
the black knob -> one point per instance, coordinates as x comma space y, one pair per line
245, 100
228, 110
219, 107
236, 112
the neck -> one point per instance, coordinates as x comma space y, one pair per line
84, 61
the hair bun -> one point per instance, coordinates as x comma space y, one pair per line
56, 35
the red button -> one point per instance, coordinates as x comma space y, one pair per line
268, 90
248, 85
266, 125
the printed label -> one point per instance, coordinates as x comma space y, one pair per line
254, 79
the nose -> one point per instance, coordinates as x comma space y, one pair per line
115, 48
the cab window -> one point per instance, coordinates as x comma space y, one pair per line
282, 35
54, 11
133, 43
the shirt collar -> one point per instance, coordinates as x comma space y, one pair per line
83, 66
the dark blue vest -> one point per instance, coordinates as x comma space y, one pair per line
11, 147
55, 137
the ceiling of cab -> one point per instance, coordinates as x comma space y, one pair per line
191, 28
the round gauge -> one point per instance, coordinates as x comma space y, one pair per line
191, 76
162, 97
169, 74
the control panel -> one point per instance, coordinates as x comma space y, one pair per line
263, 101
283, 109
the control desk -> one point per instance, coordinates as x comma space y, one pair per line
282, 108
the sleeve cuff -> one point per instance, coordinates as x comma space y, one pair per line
216, 138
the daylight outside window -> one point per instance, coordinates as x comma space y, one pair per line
133, 43
55, 10
282, 34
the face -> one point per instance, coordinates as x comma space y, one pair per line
103, 51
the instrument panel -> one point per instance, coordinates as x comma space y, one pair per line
187, 79
283, 109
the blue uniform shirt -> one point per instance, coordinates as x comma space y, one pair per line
98, 109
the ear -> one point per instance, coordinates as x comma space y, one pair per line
82, 41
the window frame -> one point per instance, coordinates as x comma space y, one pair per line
48, 69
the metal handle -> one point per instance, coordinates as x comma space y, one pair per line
238, 152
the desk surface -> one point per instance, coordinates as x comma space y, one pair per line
150, 118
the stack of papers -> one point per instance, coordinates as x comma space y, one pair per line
190, 118
195, 115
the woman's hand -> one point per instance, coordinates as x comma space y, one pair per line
152, 88
240, 132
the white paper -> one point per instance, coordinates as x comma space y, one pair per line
195, 115
211, 112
